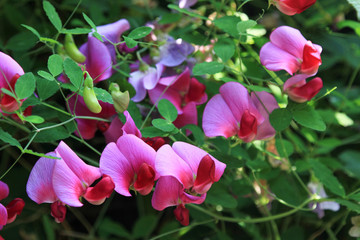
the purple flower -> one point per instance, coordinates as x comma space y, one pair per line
317, 188
186, 3
174, 52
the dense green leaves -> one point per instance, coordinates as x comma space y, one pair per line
25, 86
6, 137
224, 48
308, 117
46, 88
280, 119
167, 110
163, 125
207, 68
74, 72
228, 24
245, 25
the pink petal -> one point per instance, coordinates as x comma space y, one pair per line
8, 69
136, 80
114, 131
188, 198
113, 31
182, 214
265, 130
39, 186
167, 193
188, 116
289, 39
86, 173
172, 95
136, 151
168, 163
276, 59
98, 60
87, 128
67, 186
3, 216
295, 81
96, 195
182, 83
129, 126
218, 120
114, 164
192, 155
305, 92
4, 190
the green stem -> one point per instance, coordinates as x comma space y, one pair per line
55, 108
86, 144
100, 217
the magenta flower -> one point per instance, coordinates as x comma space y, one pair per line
288, 50
10, 71
187, 173
112, 131
8, 214
235, 112
130, 162
65, 180
291, 7
145, 80
301, 91
184, 92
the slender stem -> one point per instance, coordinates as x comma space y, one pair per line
86, 144
55, 108
100, 217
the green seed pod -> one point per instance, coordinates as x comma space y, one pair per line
89, 95
72, 50
121, 99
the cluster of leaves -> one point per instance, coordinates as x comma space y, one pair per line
263, 193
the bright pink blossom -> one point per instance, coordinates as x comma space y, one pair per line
184, 92
292, 7
130, 162
88, 127
64, 180
301, 91
288, 50
10, 71
235, 112
187, 173
8, 214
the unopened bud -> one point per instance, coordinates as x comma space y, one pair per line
89, 95
121, 99
72, 50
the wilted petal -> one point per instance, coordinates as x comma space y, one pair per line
86, 173
114, 164
39, 186
14, 208
168, 163
218, 120
58, 211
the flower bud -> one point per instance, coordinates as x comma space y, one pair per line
121, 99
72, 50
89, 95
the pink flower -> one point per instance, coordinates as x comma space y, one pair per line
291, 7
186, 3
235, 112
112, 131
187, 173
10, 71
301, 91
63, 181
184, 92
130, 162
288, 50
8, 214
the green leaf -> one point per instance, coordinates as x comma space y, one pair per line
228, 24
55, 64
46, 88
89, 21
8, 92
163, 124
74, 72
34, 119
207, 68
356, 5
224, 48
167, 110
25, 86
49, 230
103, 95
98, 36
218, 196
140, 32
46, 75
108, 226
185, 11
144, 226
280, 119
350, 205
31, 29
75, 31
197, 132
51, 134
130, 43
350, 159
355, 197
29, 151
30, 101
17, 43
6, 137
308, 117
245, 25
326, 177
152, 132
169, 18
52, 15
281, 144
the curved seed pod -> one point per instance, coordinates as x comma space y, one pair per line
89, 95
121, 99
72, 50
